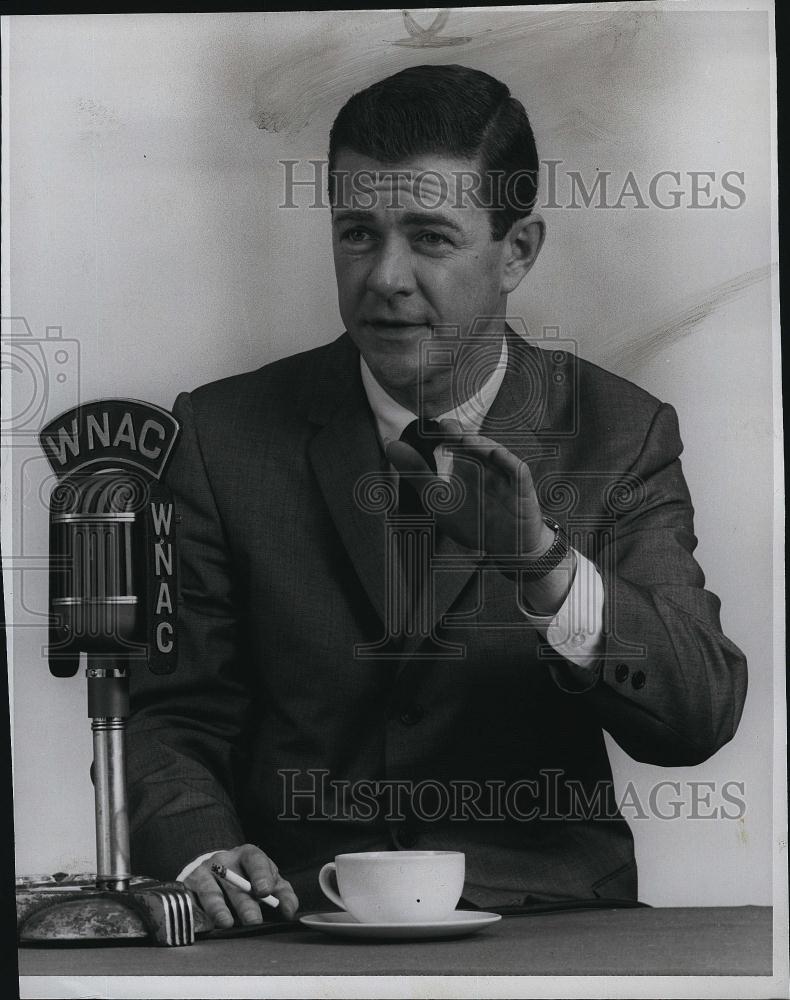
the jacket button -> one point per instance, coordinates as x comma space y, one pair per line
638, 680
621, 672
412, 715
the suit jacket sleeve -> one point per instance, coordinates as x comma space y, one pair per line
672, 686
185, 726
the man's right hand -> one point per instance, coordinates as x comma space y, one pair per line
229, 905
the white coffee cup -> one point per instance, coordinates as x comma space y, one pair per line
378, 887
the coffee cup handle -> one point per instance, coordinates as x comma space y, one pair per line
329, 871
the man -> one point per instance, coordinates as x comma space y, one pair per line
322, 672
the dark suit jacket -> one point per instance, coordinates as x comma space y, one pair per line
283, 572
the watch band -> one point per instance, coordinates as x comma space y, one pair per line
550, 559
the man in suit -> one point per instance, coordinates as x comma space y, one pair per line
417, 584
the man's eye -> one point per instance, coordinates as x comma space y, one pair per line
433, 239
356, 235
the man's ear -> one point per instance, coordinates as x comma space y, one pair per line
523, 243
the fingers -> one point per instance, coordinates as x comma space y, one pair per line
289, 903
452, 428
245, 906
226, 904
211, 898
266, 880
494, 457
409, 461
483, 467
258, 868
488, 451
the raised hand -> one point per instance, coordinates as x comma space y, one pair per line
500, 513
500, 510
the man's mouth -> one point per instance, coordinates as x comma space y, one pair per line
385, 323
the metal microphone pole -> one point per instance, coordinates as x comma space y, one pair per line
108, 707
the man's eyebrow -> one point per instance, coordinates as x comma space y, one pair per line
430, 219
353, 215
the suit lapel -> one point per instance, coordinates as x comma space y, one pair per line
524, 415
344, 450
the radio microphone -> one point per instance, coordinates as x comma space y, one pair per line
113, 598
96, 558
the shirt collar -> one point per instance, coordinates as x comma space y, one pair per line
392, 418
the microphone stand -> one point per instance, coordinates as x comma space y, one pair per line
112, 528
108, 707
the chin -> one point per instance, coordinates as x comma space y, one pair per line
403, 384
401, 378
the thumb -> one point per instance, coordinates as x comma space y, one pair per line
452, 427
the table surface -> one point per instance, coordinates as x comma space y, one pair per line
647, 941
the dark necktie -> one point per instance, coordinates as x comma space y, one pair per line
409, 502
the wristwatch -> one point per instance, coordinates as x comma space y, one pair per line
550, 559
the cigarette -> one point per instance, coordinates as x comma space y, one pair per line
243, 884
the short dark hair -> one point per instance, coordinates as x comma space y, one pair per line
452, 110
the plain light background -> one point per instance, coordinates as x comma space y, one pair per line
144, 187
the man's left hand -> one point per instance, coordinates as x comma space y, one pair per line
500, 513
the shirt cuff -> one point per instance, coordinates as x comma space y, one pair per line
576, 630
187, 870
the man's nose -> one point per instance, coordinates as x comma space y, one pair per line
392, 270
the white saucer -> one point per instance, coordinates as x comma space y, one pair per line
344, 925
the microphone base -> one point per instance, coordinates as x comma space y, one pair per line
75, 909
